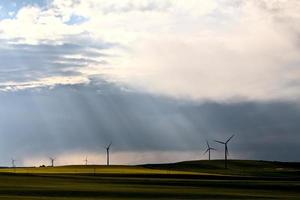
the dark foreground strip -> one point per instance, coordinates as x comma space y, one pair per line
288, 186
166, 175
137, 195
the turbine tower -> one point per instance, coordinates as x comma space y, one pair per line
52, 161
107, 153
86, 160
208, 149
226, 148
13, 163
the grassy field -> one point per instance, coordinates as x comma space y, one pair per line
185, 180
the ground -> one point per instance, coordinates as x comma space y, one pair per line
185, 180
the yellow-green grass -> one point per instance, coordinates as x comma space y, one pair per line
93, 169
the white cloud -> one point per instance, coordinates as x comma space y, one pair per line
43, 82
216, 49
254, 57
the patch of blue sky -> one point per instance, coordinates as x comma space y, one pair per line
76, 19
9, 8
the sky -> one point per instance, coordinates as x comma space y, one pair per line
157, 78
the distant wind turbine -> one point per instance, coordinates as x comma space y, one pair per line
86, 160
52, 161
226, 148
107, 153
13, 163
208, 149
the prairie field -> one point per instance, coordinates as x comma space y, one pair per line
185, 180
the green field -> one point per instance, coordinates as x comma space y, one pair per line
185, 180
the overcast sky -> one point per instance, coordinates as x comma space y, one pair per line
155, 77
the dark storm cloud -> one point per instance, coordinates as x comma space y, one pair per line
25, 62
86, 117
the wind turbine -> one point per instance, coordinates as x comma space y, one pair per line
13, 163
226, 148
86, 161
52, 161
107, 153
208, 149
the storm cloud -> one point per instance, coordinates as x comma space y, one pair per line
86, 117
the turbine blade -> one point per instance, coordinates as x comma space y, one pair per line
109, 145
219, 142
205, 151
207, 144
230, 138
